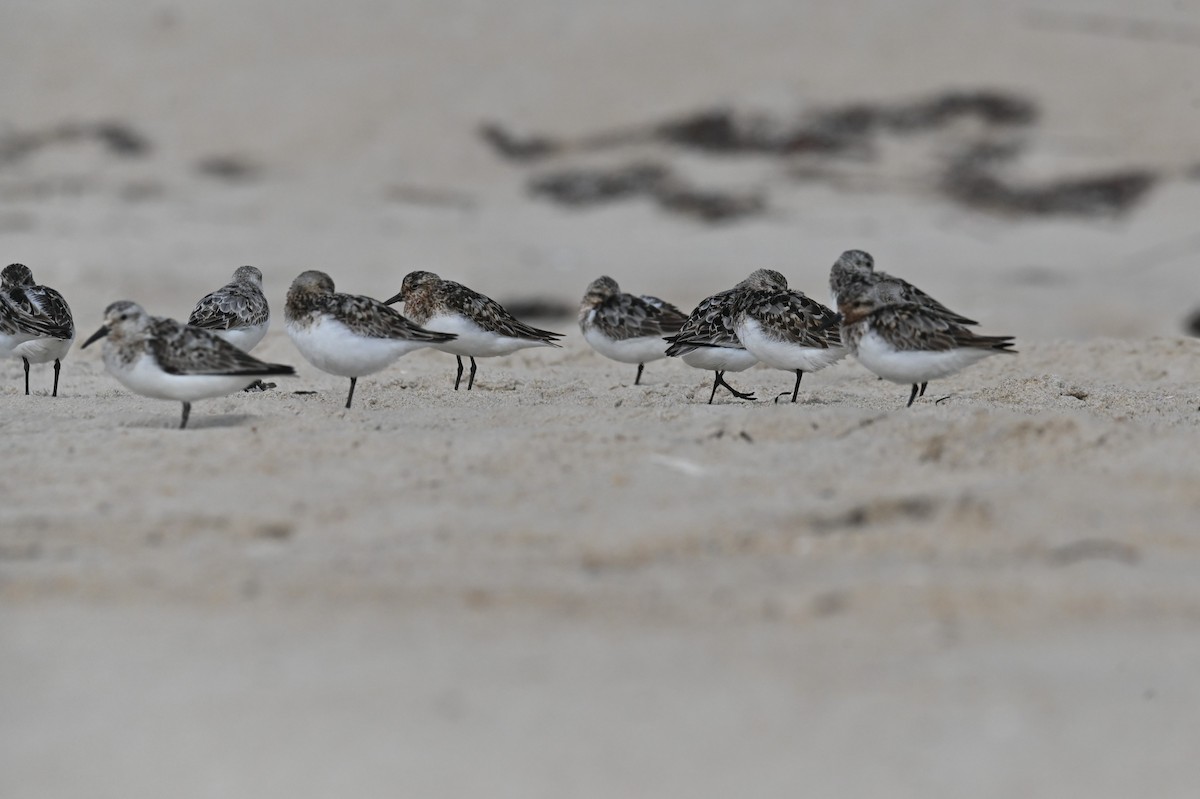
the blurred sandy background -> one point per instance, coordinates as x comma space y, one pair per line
559, 584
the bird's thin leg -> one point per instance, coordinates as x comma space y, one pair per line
57, 366
638, 379
923, 388
732, 390
26, 360
796, 389
716, 382
350, 396
187, 410
912, 396
458, 377
471, 379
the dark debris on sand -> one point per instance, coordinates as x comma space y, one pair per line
974, 182
232, 168
708, 205
582, 187
723, 131
117, 138
1192, 324
586, 187
977, 180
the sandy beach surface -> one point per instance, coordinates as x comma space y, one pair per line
560, 584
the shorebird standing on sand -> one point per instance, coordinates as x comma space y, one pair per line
784, 328
347, 334
481, 327
907, 342
35, 321
237, 312
626, 327
708, 341
165, 359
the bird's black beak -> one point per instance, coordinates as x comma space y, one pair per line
395, 299
99, 334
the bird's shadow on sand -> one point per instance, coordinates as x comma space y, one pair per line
194, 423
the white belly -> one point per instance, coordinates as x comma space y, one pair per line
631, 350
245, 338
10, 341
42, 350
720, 359
145, 377
332, 347
783, 354
473, 340
901, 366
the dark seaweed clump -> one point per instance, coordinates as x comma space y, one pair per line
587, 187
117, 138
973, 181
977, 180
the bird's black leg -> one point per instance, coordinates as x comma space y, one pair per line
26, 360
923, 388
638, 379
187, 410
57, 366
471, 379
458, 377
716, 382
732, 390
912, 396
796, 389
350, 396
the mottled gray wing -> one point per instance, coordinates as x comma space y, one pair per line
801, 318
709, 325
489, 314
230, 306
40, 310
367, 316
8, 315
183, 350
908, 294
626, 316
914, 327
670, 318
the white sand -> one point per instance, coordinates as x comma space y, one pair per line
559, 584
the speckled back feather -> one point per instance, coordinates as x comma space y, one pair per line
35, 309
185, 350
236, 304
366, 316
791, 316
914, 327
428, 296
626, 316
709, 325
854, 272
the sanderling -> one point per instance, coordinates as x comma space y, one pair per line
165, 359
908, 342
481, 326
35, 321
785, 329
708, 341
349, 335
855, 268
626, 327
237, 312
